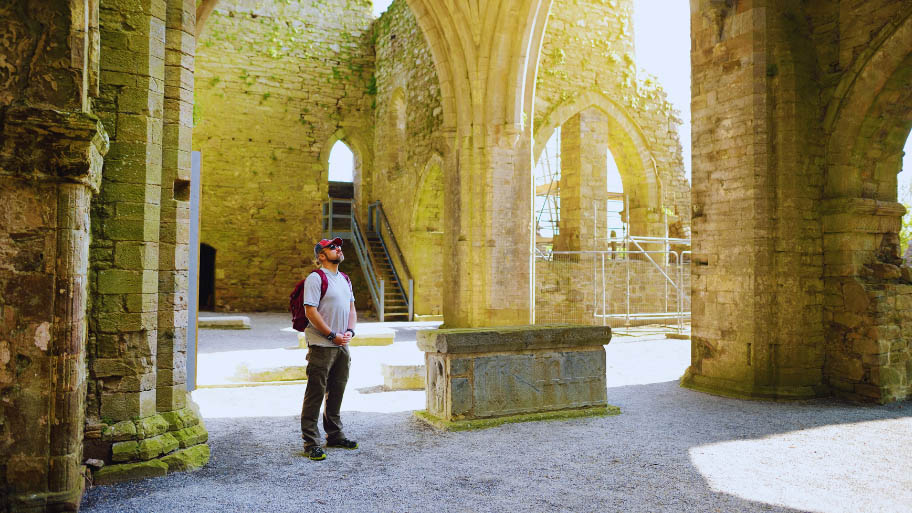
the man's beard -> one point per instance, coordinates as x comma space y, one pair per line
336, 261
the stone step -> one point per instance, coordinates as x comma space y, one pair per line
233, 322
403, 377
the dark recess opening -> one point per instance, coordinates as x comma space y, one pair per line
207, 277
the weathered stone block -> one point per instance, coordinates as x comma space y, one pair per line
188, 459
124, 451
533, 370
151, 426
123, 430
110, 474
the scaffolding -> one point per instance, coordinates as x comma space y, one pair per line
630, 281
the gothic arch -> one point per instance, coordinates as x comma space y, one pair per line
635, 160
427, 213
868, 121
867, 111
360, 147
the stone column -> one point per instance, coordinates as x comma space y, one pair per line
175, 206
125, 245
50, 163
583, 183
487, 89
51, 152
757, 307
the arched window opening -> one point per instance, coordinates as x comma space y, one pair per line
207, 278
904, 196
547, 193
615, 210
341, 163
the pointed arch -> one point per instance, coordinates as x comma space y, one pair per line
427, 213
627, 143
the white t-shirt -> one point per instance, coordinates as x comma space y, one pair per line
334, 307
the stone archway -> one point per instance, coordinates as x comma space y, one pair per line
867, 345
628, 145
363, 163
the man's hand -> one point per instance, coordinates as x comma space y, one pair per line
341, 340
347, 336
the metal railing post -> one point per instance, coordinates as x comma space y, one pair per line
382, 300
411, 300
331, 213
604, 286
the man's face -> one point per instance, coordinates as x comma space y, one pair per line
333, 254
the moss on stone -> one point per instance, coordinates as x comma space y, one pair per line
191, 436
151, 426
150, 448
124, 451
124, 430
130, 471
472, 424
187, 459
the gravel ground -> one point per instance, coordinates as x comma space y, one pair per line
670, 450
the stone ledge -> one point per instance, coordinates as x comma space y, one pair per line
737, 390
233, 322
403, 377
512, 338
471, 424
182, 460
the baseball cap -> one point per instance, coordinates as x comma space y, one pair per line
326, 243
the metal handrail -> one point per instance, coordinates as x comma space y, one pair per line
366, 264
378, 221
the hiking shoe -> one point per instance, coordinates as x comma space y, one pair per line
342, 443
315, 453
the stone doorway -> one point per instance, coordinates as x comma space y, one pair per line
207, 277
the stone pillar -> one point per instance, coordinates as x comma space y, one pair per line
757, 306
175, 206
583, 183
487, 98
125, 245
45, 229
51, 152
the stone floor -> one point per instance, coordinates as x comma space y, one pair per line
670, 450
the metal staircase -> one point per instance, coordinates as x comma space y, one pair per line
385, 270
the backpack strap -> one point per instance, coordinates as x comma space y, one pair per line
324, 282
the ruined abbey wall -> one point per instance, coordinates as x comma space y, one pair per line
277, 84
268, 115
408, 165
799, 126
588, 62
94, 167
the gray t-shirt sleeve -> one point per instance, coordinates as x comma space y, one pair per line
312, 289
351, 291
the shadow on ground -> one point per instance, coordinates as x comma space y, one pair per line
670, 450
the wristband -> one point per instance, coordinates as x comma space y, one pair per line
332, 336
349, 330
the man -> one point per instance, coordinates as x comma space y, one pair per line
332, 320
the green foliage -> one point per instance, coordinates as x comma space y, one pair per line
905, 230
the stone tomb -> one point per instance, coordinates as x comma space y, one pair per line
478, 373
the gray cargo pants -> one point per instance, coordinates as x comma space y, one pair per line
327, 374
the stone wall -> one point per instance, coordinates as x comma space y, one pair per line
140, 233
588, 63
51, 150
800, 115
591, 69
408, 166
277, 84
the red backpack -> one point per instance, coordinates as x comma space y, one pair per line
299, 319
